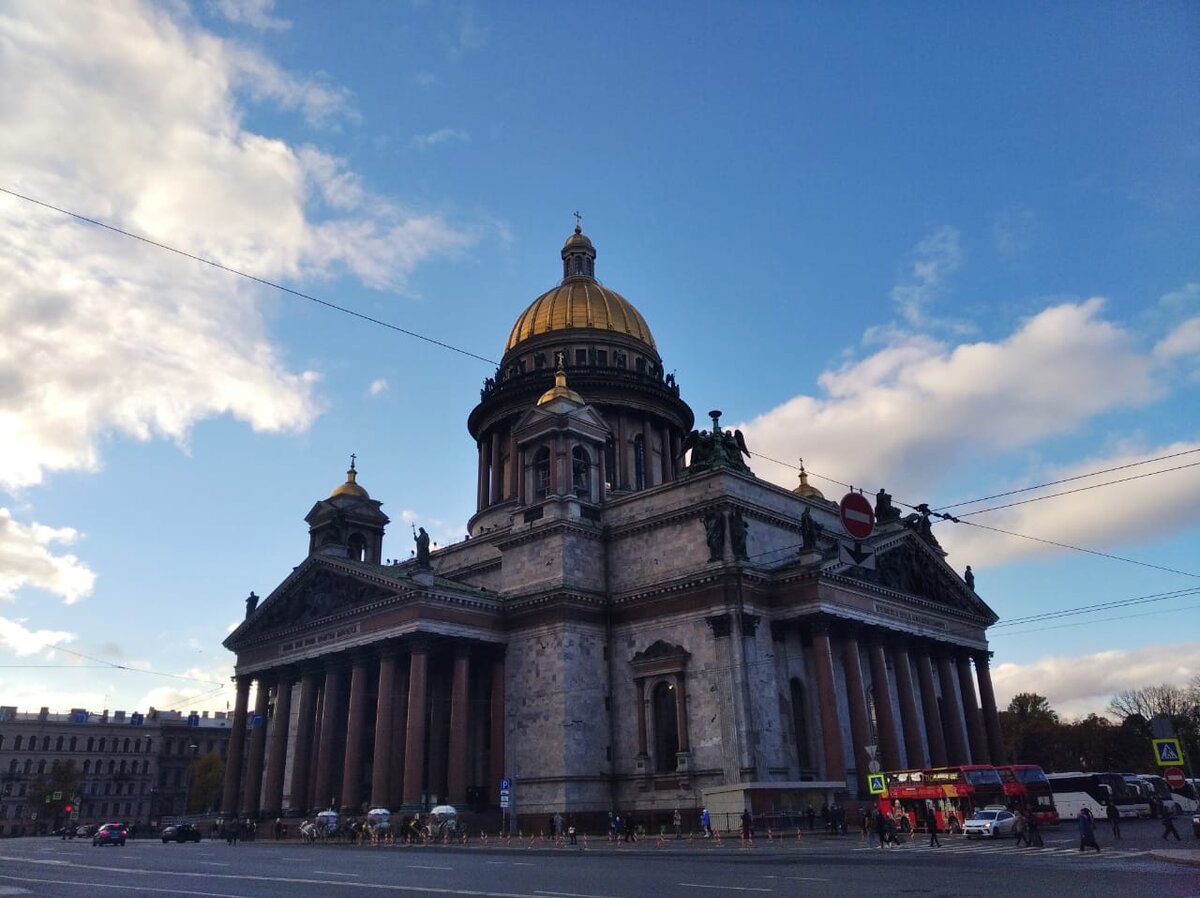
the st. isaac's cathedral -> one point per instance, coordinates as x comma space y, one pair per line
636, 622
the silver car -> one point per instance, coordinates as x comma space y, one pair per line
990, 822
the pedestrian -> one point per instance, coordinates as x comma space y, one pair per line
557, 822
747, 825
951, 822
630, 834
1168, 822
677, 822
863, 818
934, 841
1114, 818
1087, 831
1034, 833
571, 832
1020, 830
825, 817
706, 823
811, 815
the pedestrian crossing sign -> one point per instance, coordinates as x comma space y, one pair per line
1168, 752
875, 784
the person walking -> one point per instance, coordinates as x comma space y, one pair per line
1087, 831
747, 825
1113, 815
677, 822
1020, 829
1033, 836
811, 815
571, 832
934, 841
1168, 822
706, 823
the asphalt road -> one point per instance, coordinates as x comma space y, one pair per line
814, 865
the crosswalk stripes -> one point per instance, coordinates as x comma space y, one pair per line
1005, 847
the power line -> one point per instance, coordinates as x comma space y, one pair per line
1080, 489
1103, 620
1039, 486
1099, 606
115, 666
249, 277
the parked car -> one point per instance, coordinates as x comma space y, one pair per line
85, 831
181, 832
110, 834
990, 822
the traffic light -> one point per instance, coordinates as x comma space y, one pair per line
67, 809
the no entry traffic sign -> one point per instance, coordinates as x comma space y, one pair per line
1174, 777
858, 517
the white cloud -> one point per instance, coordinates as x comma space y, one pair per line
443, 135
22, 641
1182, 342
122, 112
200, 696
378, 387
1077, 686
937, 256
255, 13
26, 558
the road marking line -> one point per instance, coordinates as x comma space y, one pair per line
335, 873
214, 863
425, 867
700, 885
571, 895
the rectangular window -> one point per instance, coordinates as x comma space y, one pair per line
581, 357
602, 357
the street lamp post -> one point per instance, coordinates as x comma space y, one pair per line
193, 751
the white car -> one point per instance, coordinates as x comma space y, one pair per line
990, 822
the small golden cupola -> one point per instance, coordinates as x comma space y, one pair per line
560, 390
350, 487
805, 489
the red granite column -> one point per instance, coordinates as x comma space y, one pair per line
481, 487
235, 761
456, 774
640, 686
885, 717
929, 704
302, 758
908, 707
277, 753
330, 726
856, 698
991, 715
496, 725
353, 758
979, 748
381, 766
494, 486
954, 715
399, 734
681, 714
513, 467
414, 748
831, 737
251, 801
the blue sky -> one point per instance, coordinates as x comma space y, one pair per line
939, 248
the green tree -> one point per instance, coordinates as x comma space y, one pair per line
207, 782
1032, 730
63, 780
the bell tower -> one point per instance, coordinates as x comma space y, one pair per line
349, 524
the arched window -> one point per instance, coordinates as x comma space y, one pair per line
358, 547
581, 472
122, 767
800, 724
41, 766
145, 767
666, 727
541, 473
45, 743
12, 766
17, 744
126, 745
73, 738
639, 462
137, 746
148, 741
28, 766
101, 748
112, 766
58, 743
87, 767
91, 743
610, 463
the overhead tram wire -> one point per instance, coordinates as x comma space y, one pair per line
112, 665
250, 277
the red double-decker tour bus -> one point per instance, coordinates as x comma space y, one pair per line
1026, 787
937, 792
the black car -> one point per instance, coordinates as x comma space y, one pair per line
110, 834
180, 832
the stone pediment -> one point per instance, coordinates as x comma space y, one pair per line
910, 566
542, 418
316, 590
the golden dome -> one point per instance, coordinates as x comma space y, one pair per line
350, 487
579, 301
560, 389
804, 489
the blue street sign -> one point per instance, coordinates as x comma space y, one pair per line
136, 719
256, 720
193, 720
505, 785
79, 716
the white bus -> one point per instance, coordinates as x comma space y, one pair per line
1181, 801
1143, 793
1075, 791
